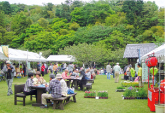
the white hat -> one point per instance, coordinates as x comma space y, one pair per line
58, 76
8, 62
117, 63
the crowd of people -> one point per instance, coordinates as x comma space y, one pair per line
57, 85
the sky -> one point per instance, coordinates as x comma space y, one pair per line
160, 3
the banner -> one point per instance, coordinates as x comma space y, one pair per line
5, 50
144, 73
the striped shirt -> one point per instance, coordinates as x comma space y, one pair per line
55, 88
28, 85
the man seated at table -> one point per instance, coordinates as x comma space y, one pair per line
84, 78
75, 73
28, 84
64, 87
65, 74
88, 73
54, 88
38, 80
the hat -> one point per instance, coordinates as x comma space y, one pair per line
52, 76
38, 73
58, 76
117, 63
8, 62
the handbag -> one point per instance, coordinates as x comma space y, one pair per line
70, 91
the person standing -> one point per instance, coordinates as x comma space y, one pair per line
70, 68
38, 66
83, 65
128, 72
51, 68
108, 70
132, 77
9, 74
140, 75
42, 70
46, 68
24, 69
55, 69
94, 65
117, 70
64, 66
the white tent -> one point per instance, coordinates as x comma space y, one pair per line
61, 58
19, 55
159, 52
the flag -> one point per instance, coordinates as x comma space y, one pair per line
5, 50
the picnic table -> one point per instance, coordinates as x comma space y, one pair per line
40, 91
75, 80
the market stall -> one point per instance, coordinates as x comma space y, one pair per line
155, 94
61, 58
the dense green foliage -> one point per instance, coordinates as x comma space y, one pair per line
111, 24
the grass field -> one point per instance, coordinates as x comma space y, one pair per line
114, 103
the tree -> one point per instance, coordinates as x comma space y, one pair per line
6, 7
87, 53
91, 13
92, 34
74, 26
20, 22
2, 19
42, 41
43, 22
117, 40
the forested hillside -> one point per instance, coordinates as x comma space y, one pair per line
106, 26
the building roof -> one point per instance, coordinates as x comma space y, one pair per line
131, 49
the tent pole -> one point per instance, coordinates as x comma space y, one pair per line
159, 81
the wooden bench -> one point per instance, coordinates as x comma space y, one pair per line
88, 86
90, 80
63, 101
18, 92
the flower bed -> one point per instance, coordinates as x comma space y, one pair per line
128, 84
135, 93
102, 94
90, 94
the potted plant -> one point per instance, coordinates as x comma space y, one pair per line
89, 94
120, 89
102, 94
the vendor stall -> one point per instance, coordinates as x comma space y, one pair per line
155, 94
61, 58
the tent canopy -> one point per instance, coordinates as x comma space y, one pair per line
159, 52
19, 55
61, 58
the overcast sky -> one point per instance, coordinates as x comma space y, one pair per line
160, 3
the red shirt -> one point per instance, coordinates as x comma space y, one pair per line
42, 68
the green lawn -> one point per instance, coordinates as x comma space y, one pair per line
114, 103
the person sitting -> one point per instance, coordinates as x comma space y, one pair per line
84, 78
28, 84
75, 73
64, 87
65, 74
88, 73
38, 80
54, 88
